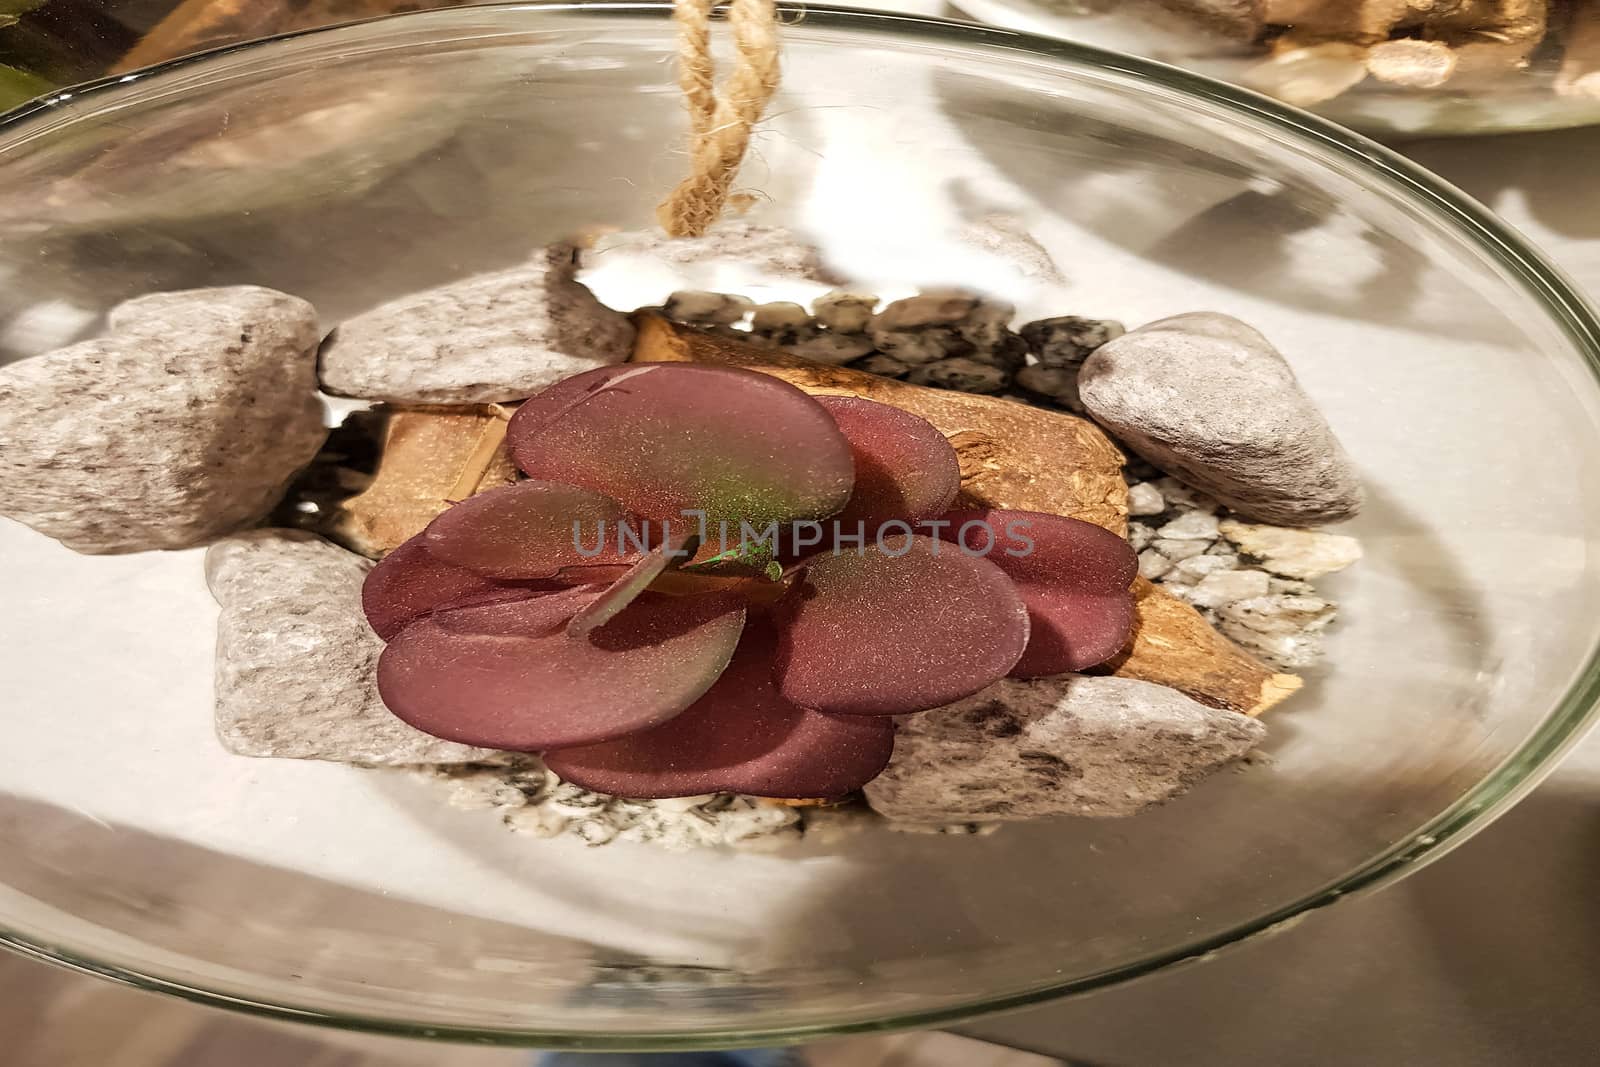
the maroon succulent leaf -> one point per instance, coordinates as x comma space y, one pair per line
533, 530
905, 469
668, 437
410, 582
908, 624
1074, 576
507, 676
741, 737
528, 615
632, 584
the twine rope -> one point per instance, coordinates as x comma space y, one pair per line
720, 123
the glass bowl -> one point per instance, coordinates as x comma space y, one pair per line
354, 164
1493, 94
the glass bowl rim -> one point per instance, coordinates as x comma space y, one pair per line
1577, 710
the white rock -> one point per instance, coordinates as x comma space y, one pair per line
186, 422
1197, 568
484, 339
1185, 497
1176, 550
1227, 586
1209, 399
1140, 536
1191, 526
1143, 498
296, 661
845, 311
1293, 553
1283, 629
1069, 745
1153, 565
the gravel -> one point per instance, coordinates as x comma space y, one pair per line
532, 800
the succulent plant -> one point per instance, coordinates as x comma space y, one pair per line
594, 613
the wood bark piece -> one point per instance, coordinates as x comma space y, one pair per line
1015, 456
1012, 455
1350, 21
432, 457
1173, 645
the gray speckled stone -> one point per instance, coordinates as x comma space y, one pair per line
1209, 399
1070, 745
296, 661
485, 339
1066, 341
187, 421
966, 375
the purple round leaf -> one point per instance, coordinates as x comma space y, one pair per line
905, 469
507, 676
1074, 576
534, 530
410, 582
741, 737
631, 585
906, 625
664, 438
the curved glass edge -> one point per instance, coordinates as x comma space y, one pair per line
1577, 712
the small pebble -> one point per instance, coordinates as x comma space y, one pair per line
1291, 586
1153, 565
925, 328
834, 349
1191, 526
1284, 630
1227, 586
721, 309
1192, 570
1177, 550
962, 373
1144, 498
1054, 383
884, 365
783, 323
844, 311
924, 310
988, 331
1140, 536
1068, 340
1007, 353
1179, 495
919, 346
1293, 553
